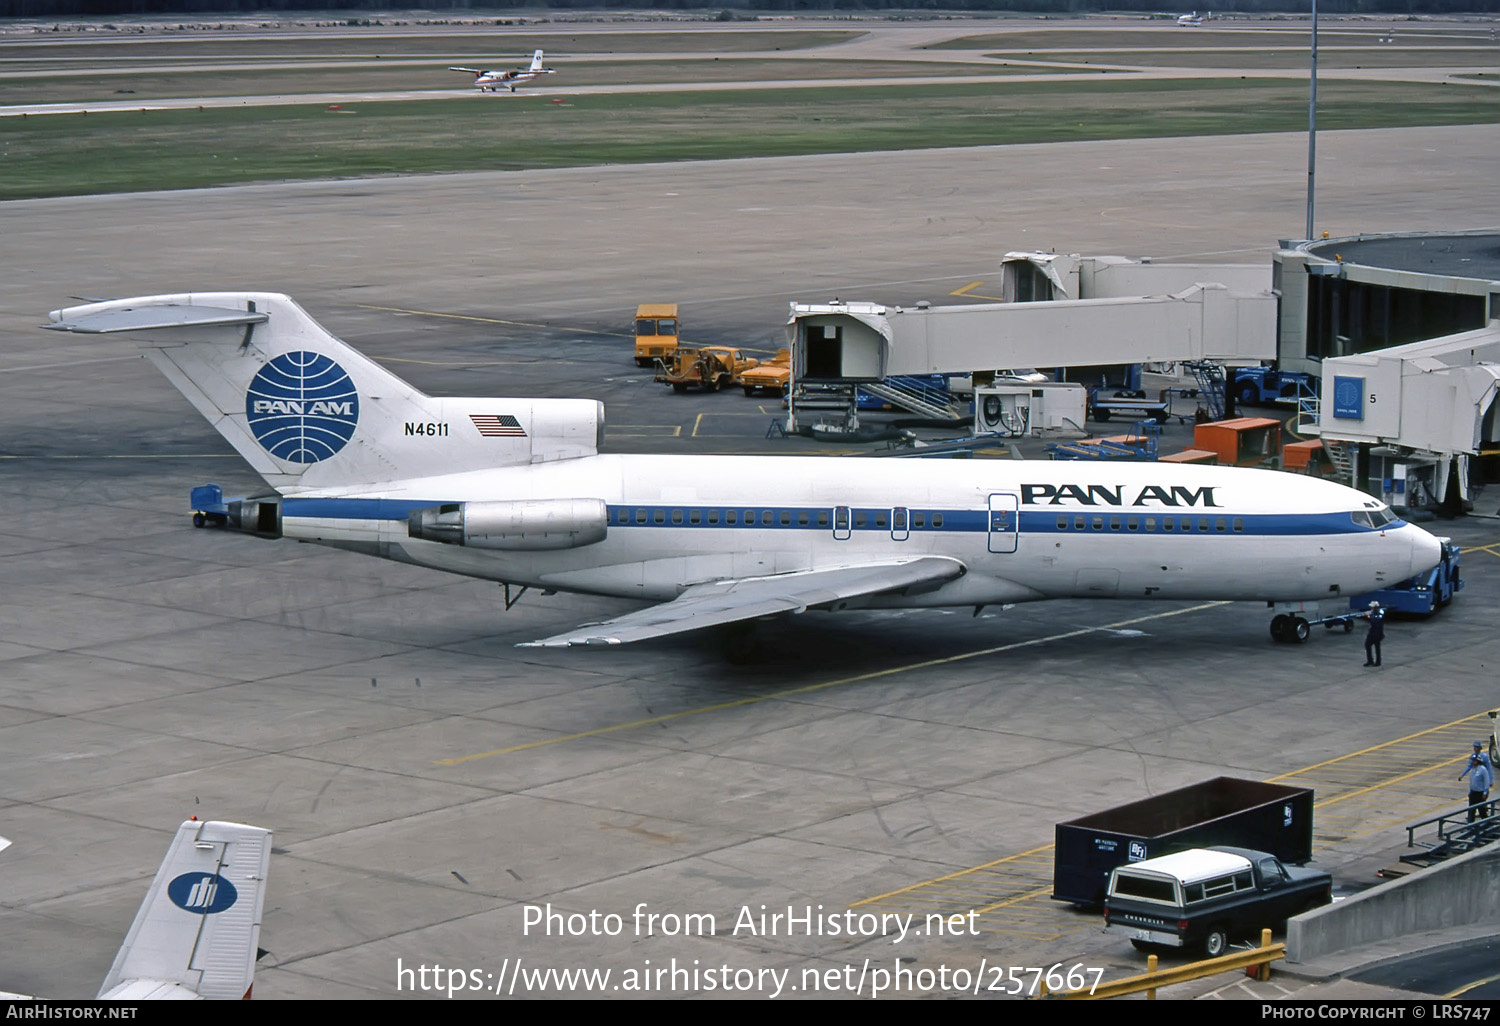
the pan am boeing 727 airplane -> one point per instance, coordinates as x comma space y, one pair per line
516, 491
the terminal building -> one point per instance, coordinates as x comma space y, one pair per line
1401, 331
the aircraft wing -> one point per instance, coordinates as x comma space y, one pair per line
197, 933
472, 71
721, 602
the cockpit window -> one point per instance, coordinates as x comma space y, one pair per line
1375, 517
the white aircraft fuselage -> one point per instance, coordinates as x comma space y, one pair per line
1024, 530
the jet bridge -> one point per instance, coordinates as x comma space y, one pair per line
1033, 277
844, 343
1417, 414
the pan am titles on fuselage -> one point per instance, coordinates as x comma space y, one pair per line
515, 490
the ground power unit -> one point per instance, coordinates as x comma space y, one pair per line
1021, 409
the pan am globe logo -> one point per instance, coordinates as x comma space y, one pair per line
302, 407
204, 893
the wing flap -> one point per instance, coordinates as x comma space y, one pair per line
721, 602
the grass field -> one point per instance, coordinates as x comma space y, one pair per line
72, 154
1169, 37
291, 78
99, 153
1291, 57
496, 45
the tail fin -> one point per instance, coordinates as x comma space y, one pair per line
198, 931
536, 61
309, 412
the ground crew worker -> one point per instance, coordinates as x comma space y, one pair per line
1483, 775
1375, 634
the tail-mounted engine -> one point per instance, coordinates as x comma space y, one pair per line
519, 525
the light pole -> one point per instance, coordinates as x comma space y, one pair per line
1312, 123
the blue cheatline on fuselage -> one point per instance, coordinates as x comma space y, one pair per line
750, 516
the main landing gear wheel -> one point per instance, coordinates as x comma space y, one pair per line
1290, 629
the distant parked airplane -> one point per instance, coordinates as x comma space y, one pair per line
491, 81
1193, 20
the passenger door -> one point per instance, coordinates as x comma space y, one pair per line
842, 517
1004, 521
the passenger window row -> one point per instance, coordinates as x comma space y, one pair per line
770, 517
1184, 525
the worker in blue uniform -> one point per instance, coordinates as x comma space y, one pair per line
1481, 775
1375, 634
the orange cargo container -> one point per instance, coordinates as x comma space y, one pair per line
1242, 442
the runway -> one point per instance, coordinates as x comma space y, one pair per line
427, 781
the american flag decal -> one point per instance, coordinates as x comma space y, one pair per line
498, 425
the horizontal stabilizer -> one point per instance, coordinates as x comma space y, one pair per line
198, 931
721, 602
150, 318
308, 411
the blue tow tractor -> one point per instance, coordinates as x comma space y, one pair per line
209, 506
1422, 595
259, 515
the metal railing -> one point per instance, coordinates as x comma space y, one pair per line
916, 395
1456, 833
1153, 979
1210, 378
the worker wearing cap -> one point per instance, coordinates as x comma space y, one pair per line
1481, 775
1375, 635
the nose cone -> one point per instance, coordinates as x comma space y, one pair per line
1426, 551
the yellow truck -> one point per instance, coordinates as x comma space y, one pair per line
770, 376
655, 333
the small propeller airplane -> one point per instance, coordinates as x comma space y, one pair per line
491, 81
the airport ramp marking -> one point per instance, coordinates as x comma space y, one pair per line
968, 291
493, 320
811, 688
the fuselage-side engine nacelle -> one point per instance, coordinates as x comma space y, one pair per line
519, 525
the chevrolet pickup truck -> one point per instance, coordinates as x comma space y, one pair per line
1205, 897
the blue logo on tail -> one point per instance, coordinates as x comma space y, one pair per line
204, 893
302, 407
